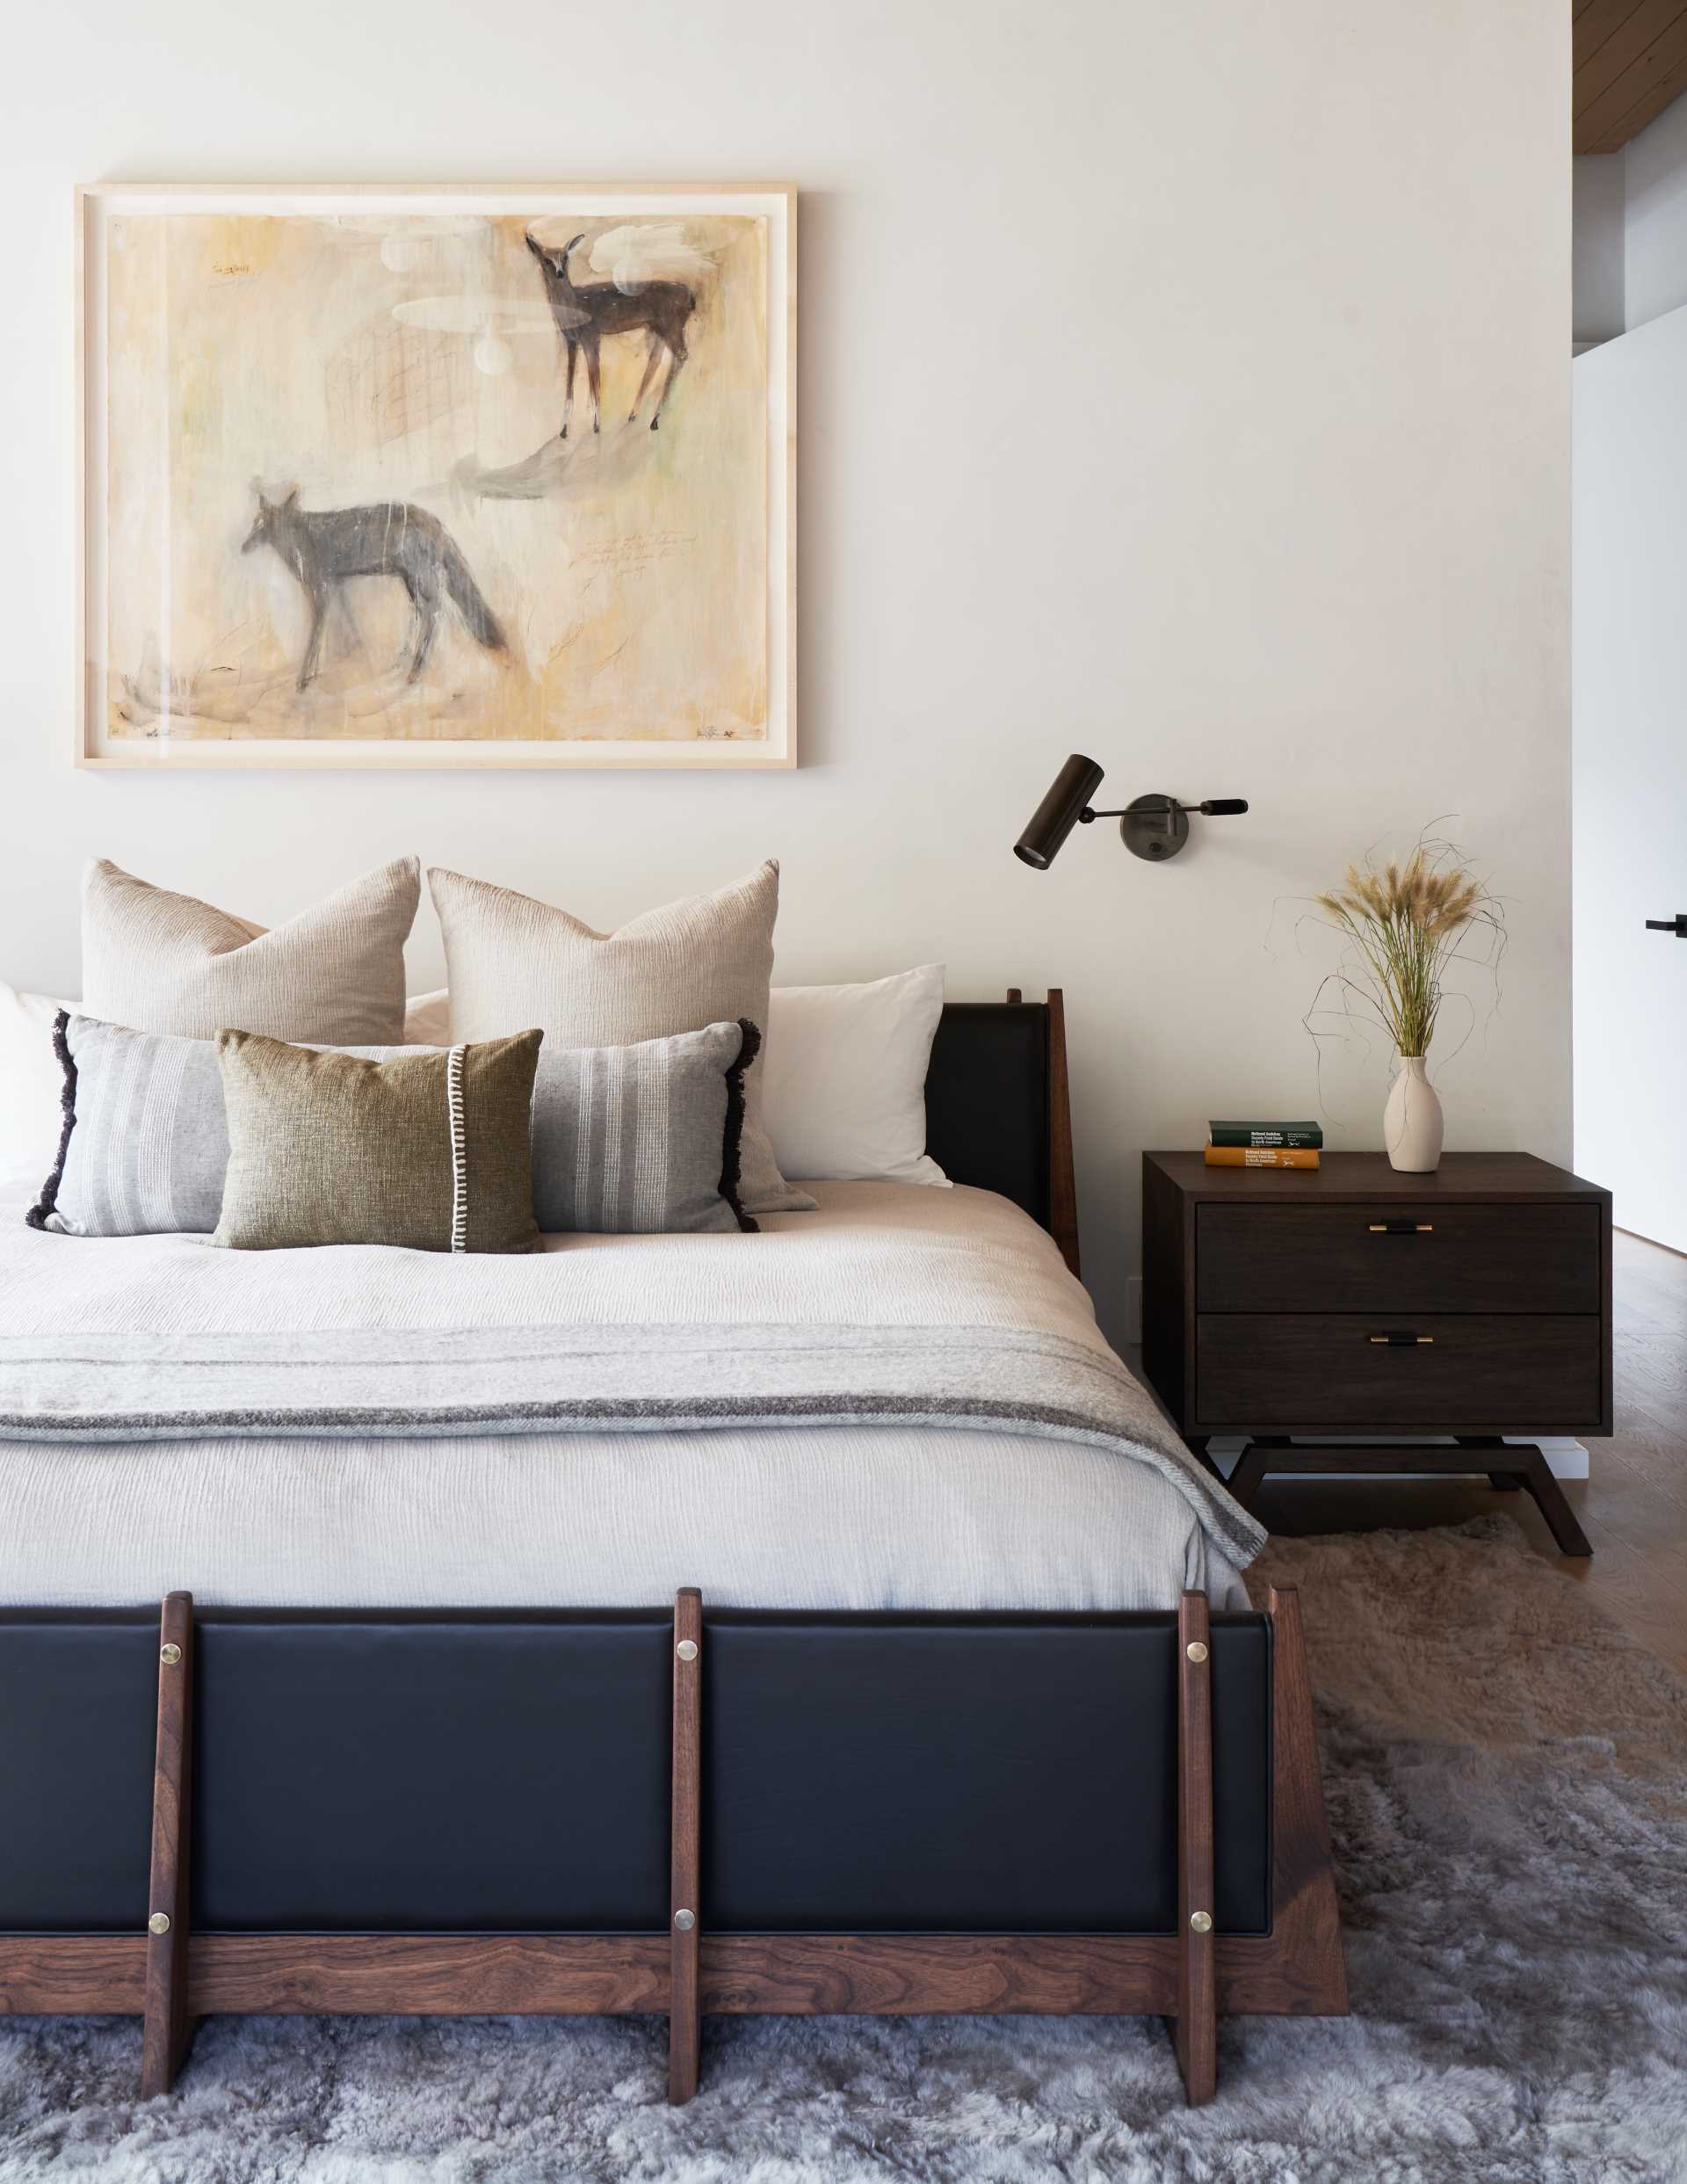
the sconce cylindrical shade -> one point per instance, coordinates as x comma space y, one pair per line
1057, 815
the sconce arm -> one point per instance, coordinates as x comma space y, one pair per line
1210, 808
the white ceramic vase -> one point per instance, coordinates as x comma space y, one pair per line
1412, 1122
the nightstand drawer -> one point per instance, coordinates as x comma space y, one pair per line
1262, 1372
1404, 1256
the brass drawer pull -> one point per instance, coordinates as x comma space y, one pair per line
1402, 1227
1402, 1342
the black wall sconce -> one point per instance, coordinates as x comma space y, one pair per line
1154, 827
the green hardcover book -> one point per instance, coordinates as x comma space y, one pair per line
1294, 1136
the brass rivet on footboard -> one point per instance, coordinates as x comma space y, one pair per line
159, 1922
169, 1655
1196, 1650
686, 1648
1201, 1920
684, 1921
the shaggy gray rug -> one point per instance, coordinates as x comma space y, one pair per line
1507, 1779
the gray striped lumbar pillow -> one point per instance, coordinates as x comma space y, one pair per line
625, 1140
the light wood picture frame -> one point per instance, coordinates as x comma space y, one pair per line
406, 476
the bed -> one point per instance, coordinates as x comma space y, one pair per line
824, 1620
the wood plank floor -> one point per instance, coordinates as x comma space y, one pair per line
1633, 1507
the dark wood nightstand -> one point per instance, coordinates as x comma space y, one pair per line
1352, 1299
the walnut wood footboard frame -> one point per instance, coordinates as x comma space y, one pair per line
171, 1974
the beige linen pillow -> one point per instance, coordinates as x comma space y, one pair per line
428, 1149
511, 960
164, 962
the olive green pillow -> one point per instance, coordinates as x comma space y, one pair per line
429, 1150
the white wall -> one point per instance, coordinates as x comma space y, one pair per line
1598, 247
1655, 167
1630, 231
1183, 385
1630, 772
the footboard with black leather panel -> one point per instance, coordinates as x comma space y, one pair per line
679, 1810
681, 1813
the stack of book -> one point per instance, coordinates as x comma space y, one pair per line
1264, 1144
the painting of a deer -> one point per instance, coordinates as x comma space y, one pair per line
588, 311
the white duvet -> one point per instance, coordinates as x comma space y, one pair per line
807, 1516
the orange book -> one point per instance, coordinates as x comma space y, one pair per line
1261, 1157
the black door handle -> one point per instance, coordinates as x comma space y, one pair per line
1677, 925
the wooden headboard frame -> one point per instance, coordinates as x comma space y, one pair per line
1062, 1175
998, 1112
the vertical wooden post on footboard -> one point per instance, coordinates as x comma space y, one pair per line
167, 2026
683, 1906
1197, 2024
1306, 1917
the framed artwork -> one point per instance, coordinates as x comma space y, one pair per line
412, 476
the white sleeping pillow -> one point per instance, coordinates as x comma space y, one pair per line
31, 1082
845, 1088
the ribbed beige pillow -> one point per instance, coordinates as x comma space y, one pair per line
333, 975
708, 959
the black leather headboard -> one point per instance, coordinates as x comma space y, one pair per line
987, 1101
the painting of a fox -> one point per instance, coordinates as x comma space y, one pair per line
326, 547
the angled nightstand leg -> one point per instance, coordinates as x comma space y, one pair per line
1537, 1475
1528, 1467
1252, 1466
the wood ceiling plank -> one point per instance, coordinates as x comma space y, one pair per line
1627, 45
1608, 121
1593, 23
1667, 88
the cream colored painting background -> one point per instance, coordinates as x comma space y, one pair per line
398, 359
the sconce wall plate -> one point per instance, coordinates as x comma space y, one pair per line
1155, 827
